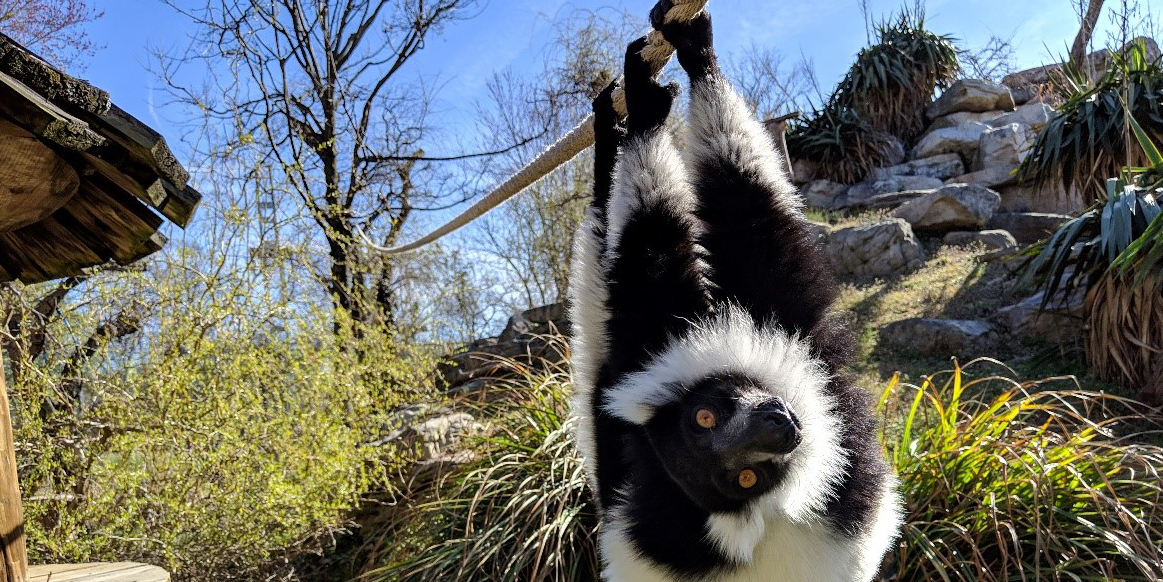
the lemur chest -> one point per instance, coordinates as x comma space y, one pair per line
788, 552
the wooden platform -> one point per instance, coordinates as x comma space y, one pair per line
117, 572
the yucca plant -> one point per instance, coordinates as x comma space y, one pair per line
844, 146
1114, 252
884, 94
1089, 140
893, 80
1025, 485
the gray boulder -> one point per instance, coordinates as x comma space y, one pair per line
959, 117
893, 149
988, 177
956, 206
880, 249
1034, 115
1004, 146
889, 200
803, 171
975, 95
1052, 197
942, 167
823, 194
938, 337
1028, 227
990, 239
1061, 321
858, 193
818, 232
961, 139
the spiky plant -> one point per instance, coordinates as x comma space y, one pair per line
1088, 140
843, 146
893, 80
884, 94
1114, 252
1027, 485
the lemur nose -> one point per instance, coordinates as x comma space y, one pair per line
778, 428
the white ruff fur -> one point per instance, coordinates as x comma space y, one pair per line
723, 128
783, 365
787, 552
587, 311
649, 171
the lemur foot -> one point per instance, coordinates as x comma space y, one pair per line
647, 102
608, 124
692, 40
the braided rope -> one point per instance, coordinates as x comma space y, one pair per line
657, 53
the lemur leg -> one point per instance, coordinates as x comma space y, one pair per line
654, 276
758, 246
587, 292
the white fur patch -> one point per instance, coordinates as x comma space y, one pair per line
783, 365
884, 530
588, 344
649, 170
722, 127
735, 535
621, 561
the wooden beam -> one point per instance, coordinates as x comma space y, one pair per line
34, 180
40, 116
115, 572
13, 555
177, 204
47, 250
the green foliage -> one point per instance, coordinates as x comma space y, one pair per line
225, 437
517, 514
841, 144
893, 80
883, 94
1042, 485
1090, 140
1025, 485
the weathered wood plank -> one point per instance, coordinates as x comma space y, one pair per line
34, 180
38, 115
109, 220
147, 143
13, 556
114, 572
176, 204
22, 64
46, 250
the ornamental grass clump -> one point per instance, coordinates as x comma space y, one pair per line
1024, 485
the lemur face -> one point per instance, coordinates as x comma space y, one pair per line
727, 442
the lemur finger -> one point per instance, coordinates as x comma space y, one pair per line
693, 41
647, 103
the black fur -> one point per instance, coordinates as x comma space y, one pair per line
668, 269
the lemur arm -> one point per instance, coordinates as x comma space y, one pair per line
760, 253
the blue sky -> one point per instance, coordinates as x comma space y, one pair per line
514, 32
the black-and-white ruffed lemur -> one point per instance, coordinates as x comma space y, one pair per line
718, 432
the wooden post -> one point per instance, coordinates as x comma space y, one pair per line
13, 559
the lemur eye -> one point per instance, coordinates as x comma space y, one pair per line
705, 418
747, 478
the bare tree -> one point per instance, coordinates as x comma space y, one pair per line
992, 61
314, 89
52, 28
773, 87
1088, 20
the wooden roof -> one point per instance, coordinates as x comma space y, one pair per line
82, 182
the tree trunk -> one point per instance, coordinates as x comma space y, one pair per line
1085, 31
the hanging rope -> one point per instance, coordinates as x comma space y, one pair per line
657, 53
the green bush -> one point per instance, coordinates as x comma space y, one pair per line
220, 439
1027, 485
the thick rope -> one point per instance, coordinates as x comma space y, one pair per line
657, 53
